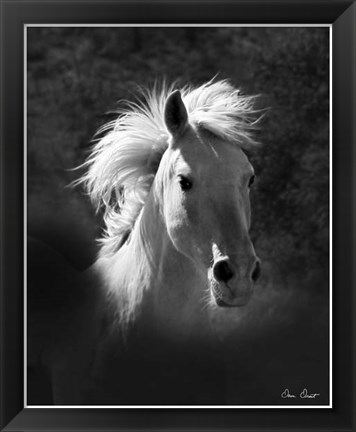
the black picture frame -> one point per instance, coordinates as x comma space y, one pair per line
342, 16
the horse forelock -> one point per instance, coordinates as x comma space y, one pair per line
123, 163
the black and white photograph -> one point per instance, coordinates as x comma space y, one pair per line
178, 216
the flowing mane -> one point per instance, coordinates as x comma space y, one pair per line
123, 163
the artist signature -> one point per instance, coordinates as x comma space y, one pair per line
303, 395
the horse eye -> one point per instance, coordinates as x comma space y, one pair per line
185, 184
252, 179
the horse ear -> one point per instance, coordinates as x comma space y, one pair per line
175, 113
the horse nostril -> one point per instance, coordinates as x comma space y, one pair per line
256, 272
222, 271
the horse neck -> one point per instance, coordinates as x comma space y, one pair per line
177, 287
160, 288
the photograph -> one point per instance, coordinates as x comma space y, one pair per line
178, 216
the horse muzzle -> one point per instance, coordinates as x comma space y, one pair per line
226, 297
229, 287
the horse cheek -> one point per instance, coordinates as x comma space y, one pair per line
193, 233
179, 229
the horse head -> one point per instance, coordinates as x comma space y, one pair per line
204, 182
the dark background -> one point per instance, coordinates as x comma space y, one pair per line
76, 75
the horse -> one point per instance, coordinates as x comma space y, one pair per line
172, 177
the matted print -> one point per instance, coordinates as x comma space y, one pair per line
178, 196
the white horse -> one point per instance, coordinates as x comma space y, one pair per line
173, 180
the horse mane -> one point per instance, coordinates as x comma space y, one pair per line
123, 163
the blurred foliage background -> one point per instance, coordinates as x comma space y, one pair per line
75, 76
